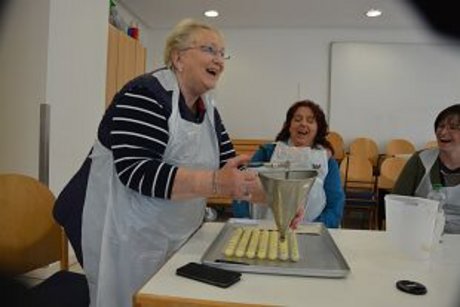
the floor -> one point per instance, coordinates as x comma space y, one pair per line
355, 220
35, 277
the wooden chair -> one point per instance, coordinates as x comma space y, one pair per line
360, 186
390, 169
248, 146
367, 148
399, 147
389, 172
30, 239
431, 144
338, 145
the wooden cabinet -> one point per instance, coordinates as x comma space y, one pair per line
125, 60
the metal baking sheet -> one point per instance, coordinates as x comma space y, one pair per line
319, 255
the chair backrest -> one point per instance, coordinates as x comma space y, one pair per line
365, 147
431, 144
337, 144
399, 147
357, 172
29, 236
248, 146
389, 172
360, 187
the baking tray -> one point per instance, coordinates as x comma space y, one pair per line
319, 255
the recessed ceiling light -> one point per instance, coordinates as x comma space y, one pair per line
373, 13
211, 13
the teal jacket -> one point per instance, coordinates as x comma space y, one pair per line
335, 197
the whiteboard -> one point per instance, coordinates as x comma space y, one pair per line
386, 91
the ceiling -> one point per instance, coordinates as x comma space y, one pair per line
161, 14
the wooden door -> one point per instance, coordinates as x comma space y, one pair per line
126, 67
125, 60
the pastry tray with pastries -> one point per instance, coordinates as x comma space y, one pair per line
254, 246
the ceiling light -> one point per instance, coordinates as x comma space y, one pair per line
373, 13
211, 13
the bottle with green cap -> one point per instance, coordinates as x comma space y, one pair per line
439, 195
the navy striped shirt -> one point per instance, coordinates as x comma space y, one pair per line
135, 129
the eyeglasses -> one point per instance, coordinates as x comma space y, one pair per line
449, 127
211, 51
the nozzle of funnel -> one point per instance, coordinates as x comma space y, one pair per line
286, 191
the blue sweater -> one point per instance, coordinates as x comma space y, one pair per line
335, 197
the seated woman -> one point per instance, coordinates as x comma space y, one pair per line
302, 142
435, 166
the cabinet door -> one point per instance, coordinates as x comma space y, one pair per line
126, 68
125, 60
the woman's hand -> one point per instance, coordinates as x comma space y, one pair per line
228, 181
236, 183
298, 218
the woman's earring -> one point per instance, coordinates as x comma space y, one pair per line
178, 68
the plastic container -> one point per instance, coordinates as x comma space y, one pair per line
411, 225
437, 194
133, 30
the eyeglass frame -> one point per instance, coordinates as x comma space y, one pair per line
211, 50
448, 127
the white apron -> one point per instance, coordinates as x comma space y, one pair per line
452, 205
127, 237
300, 158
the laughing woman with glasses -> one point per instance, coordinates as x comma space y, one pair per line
161, 150
438, 166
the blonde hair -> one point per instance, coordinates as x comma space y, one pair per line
181, 35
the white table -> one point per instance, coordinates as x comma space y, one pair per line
375, 268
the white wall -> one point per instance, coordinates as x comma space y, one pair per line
272, 68
53, 52
23, 62
77, 62
396, 90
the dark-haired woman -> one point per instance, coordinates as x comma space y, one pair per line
302, 142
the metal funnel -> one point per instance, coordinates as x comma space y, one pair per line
286, 191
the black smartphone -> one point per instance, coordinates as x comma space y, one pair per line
210, 275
